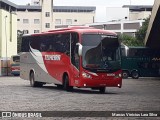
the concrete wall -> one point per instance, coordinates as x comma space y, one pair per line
117, 13
8, 33
155, 9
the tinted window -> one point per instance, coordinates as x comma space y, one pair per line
16, 58
25, 44
51, 43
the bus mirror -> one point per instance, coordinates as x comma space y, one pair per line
126, 50
79, 49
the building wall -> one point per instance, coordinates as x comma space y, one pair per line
139, 15
8, 33
47, 7
30, 26
120, 27
76, 18
117, 13
152, 37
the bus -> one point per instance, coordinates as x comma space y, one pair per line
140, 62
80, 57
15, 65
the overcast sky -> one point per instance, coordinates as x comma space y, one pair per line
92, 2
100, 4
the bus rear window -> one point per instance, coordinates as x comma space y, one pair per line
16, 59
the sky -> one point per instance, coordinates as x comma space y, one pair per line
114, 3
100, 4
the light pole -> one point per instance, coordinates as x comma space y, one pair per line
6, 42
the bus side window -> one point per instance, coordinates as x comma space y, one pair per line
25, 44
51, 48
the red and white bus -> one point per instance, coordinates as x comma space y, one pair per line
72, 57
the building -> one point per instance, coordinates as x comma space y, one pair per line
138, 12
113, 15
35, 2
41, 16
126, 12
152, 38
8, 29
120, 27
37, 17
126, 20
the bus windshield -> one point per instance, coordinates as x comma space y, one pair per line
100, 52
16, 58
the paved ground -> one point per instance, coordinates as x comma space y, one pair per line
135, 95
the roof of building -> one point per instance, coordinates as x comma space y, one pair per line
9, 3
75, 7
139, 7
31, 7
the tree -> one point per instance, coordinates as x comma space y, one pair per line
141, 33
19, 40
138, 40
128, 40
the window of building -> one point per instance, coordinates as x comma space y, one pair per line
36, 21
131, 25
25, 31
36, 31
25, 21
68, 21
113, 26
47, 25
47, 14
58, 21
18, 19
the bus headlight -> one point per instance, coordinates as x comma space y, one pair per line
118, 75
86, 75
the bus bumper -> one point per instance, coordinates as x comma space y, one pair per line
15, 73
91, 83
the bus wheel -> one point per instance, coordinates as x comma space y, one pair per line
125, 74
33, 83
135, 74
102, 89
66, 84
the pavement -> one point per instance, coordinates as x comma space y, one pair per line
135, 95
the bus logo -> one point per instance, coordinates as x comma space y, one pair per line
53, 57
110, 74
156, 59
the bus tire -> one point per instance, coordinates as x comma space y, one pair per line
125, 74
135, 74
102, 89
33, 83
66, 85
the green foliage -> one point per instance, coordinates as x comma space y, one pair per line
138, 40
19, 40
141, 33
129, 40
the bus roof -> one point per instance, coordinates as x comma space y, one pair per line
79, 29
